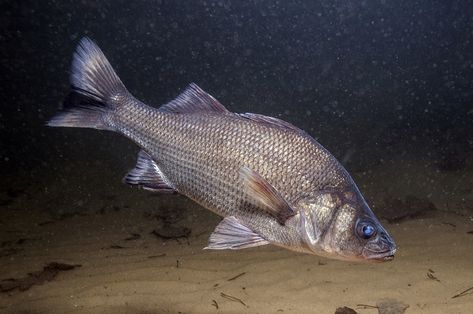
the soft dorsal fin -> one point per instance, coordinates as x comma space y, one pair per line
194, 99
265, 195
269, 120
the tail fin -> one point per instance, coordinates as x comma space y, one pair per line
96, 90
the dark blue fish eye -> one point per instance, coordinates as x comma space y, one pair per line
368, 231
365, 229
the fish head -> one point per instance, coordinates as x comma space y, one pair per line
340, 225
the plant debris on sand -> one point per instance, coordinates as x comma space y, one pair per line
48, 273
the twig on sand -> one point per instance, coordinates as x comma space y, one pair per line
133, 236
366, 306
117, 247
430, 275
237, 276
232, 298
463, 293
214, 303
449, 224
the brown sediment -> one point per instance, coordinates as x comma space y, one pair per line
169, 231
345, 310
397, 209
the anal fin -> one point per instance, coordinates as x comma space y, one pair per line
147, 175
231, 234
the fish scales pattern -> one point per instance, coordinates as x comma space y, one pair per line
201, 155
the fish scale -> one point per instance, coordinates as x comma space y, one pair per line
271, 181
199, 166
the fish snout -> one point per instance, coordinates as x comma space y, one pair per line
380, 249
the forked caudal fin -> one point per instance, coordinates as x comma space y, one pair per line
96, 90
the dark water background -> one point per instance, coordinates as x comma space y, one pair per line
371, 80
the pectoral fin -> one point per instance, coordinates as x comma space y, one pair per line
265, 195
231, 234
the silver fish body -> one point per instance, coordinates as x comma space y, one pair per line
271, 181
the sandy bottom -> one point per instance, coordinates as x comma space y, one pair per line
152, 275
82, 214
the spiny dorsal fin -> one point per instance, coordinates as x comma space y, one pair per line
194, 99
265, 195
231, 234
147, 175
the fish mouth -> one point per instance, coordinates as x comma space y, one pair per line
380, 256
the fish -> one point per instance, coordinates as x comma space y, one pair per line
270, 181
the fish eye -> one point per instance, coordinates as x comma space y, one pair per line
366, 229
